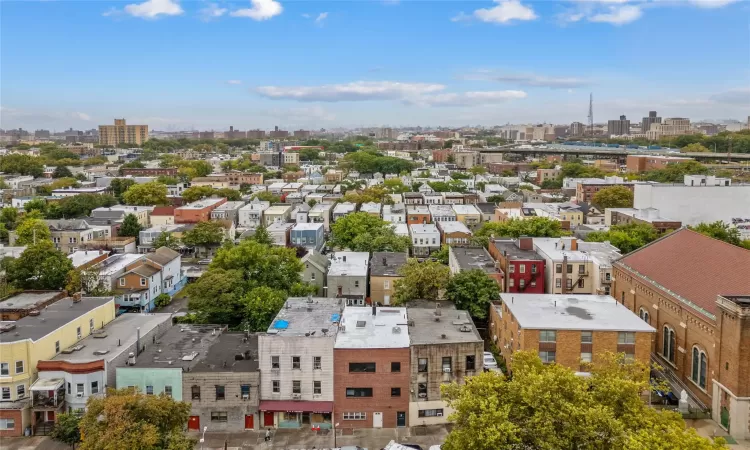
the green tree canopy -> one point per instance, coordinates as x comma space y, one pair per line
627, 237
22, 164
675, 173
9, 217
204, 233
66, 429
533, 227
260, 307
119, 186
61, 172
79, 205
547, 406
613, 197
195, 193
128, 419
266, 196
473, 291
40, 267
695, 147
421, 281
130, 226
719, 230
146, 194
364, 232
165, 239
32, 230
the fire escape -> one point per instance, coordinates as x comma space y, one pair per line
532, 278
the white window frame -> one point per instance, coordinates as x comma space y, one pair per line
23, 367
354, 416
4, 369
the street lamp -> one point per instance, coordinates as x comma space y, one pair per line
203, 437
334, 435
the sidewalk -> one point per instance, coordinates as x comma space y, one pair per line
31, 443
370, 439
708, 428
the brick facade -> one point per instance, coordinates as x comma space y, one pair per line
236, 407
17, 416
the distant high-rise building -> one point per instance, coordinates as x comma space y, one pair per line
206, 135
303, 134
41, 134
618, 127
648, 121
577, 129
121, 133
675, 126
276, 133
234, 134
385, 133
256, 134
560, 131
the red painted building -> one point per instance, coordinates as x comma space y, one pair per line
523, 267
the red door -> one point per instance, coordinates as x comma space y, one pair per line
50, 416
194, 423
249, 422
268, 419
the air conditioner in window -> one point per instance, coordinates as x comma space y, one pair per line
79, 395
447, 369
439, 414
422, 395
245, 396
296, 396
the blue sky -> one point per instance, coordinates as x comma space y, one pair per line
177, 64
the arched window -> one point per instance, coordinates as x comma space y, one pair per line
643, 314
699, 367
668, 344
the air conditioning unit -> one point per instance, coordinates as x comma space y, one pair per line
296, 396
245, 396
422, 395
447, 369
439, 414
79, 395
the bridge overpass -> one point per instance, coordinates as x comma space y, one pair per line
618, 153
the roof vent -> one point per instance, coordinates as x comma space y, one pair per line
101, 352
465, 329
396, 330
361, 323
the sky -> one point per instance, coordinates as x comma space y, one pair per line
200, 64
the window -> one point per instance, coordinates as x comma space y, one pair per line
149, 390
296, 364
625, 337
4, 369
569, 283
643, 314
276, 386
511, 282
395, 366
587, 337
547, 357
122, 281
317, 388
386, 284
78, 333
312, 276
558, 282
57, 346
317, 363
581, 269
581, 283
430, 413
668, 344
699, 367
68, 390
522, 268
7, 424
143, 281
355, 416
91, 325
362, 367
94, 387
19, 367
396, 392
6, 393
356, 283
470, 362
275, 362
218, 416
521, 283
422, 390
447, 364
358, 392
512, 268
547, 336
220, 392
195, 392
586, 357
422, 365
570, 268
21, 391
296, 387
533, 268
558, 268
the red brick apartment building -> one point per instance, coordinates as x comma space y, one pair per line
150, 172
418, 214
523, 267
695, 291
371, 364
199, 211
644, 163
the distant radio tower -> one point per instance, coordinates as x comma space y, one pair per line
591, 114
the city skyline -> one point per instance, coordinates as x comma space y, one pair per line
202, 65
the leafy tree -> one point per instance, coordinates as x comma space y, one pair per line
261, 306
551, 184
460, 176
79, 205
119, 186
38, 204
421, 281
22, 164
165, 239
627, 237
130, 226
266, 196
146, 194
9, 217
216, 296
497, 198
548, 406
86, 280
204, 234
346, 229
312, 202
613, 197
4, 234
533, 227
66, 429
32, 230
62, 172
129, 419
383, 239
59, 183
262, 236
478, 170
162, 300
719, 230
166, 179
579, 170
395, 186
41, 266
694, 148
231, 195
474, 291
135, 164
441, 255
675, 173
195, 193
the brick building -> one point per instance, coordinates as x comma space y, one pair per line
644, 163
199, 211
372, 371
569, 330
523, 267
418, 214
149, 172
650, 216
695, 291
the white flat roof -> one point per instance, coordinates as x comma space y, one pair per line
401, 229
307, 226
359, 328
349, 263
425, 228
572, 312
466, 209
82, 257
454, 227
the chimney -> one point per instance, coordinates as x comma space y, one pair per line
525, 243
374, 310
131, 359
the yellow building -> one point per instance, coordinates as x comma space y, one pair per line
468, 215
120, 133
41, 336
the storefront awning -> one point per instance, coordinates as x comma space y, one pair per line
295, 406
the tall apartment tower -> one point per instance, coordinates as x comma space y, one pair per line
577, 129
121, 133
647, 121
618, 127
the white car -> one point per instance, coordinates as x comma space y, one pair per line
489, 361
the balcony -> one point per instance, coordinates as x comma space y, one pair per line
48, 394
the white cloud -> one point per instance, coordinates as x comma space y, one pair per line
154, 8
260, 10
506, 11
355, 91
212, 11
529, 80
739, 97
321, 17
235, 82
82, 116
618, 15
471, 98
712, 3
306, 16
461, 17
302, 115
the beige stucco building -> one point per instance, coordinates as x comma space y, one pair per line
121, 133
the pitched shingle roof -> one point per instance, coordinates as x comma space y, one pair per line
693, 266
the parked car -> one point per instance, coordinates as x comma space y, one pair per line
490, 363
